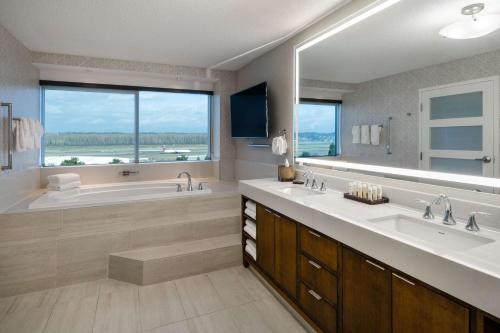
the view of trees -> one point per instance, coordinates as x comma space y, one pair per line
104, 139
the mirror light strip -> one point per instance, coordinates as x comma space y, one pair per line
413, 173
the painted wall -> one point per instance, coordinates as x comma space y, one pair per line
18, 85
89, 69
276, 67
369, 104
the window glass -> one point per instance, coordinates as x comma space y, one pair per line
173, 127
88, 127
316, 124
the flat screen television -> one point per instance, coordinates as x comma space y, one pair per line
249, 113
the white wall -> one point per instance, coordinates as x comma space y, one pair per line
18, 85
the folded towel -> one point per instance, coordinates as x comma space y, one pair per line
365, 134
251, 244
251, 205
63, 187
356, 134
251, 251
375, 131
251, 231
250, 213
63, 178
250, 223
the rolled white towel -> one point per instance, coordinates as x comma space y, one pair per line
63, 187
365, 134
251, 243
251, 205
250, 213
375, 131
63, 178
250, 223
251, 251
356, 134
251, 231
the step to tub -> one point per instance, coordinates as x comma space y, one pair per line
163, 263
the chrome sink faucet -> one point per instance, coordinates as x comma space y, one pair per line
471, 223
448, 213
306, 175
428, 215
190, 184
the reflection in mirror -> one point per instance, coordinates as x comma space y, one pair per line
401, 94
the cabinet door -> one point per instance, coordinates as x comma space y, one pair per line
417, 309
285, 261
265, 240
366, 299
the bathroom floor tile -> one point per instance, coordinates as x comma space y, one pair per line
198, 295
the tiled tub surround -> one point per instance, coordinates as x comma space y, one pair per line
46, 249
471, 275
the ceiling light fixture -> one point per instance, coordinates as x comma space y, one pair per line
472, 28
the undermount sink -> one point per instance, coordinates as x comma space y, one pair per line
435, 234
298, 191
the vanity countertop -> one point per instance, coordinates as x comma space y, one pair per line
470, 273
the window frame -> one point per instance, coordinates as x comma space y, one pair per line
338, 110
125, 89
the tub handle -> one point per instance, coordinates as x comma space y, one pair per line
200, 185
179, 188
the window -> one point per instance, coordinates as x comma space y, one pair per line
107, 125
316, 128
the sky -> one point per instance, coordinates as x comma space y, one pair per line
91, 111
316, 118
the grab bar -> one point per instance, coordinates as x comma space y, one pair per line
388, 147
10, 135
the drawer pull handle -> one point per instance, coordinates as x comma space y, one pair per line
314, 294
276, 215
315, 265
375, 265
403, 279
268, 211
314, 234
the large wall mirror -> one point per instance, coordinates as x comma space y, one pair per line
392, 93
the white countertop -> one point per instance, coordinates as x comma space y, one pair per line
472, 274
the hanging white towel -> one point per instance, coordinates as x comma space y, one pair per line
18, 141
365, 134
279, 145
38, 134
24, 135
375, 131
356, 134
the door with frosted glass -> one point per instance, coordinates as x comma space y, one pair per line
457, 128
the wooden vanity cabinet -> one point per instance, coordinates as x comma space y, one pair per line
416, 309
265, 240
366, 295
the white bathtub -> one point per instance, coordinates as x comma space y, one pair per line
94, 195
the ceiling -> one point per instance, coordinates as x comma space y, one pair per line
198, 33
401, 38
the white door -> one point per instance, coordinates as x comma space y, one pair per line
457, 127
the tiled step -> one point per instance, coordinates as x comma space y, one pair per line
163, 263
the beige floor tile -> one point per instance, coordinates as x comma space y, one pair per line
160, 305
229, 287
26, 321
217, 322
79, 291
179, 327
198, 295
76, 316
248, 319
115, 286
44, 298
251, 283
117, 312
5, 304
276, 317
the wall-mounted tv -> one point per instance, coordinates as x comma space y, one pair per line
249, 113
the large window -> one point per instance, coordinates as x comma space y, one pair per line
114, 126
316, 128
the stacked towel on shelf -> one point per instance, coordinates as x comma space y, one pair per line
27, 134
63, 181
279, 145
375, 131
356, 134
365, 134
251, 248
250, 228
251, 209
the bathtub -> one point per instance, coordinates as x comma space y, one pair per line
94, 195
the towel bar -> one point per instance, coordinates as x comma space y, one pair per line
10, 136
388, 147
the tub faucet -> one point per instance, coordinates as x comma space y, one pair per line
190, 184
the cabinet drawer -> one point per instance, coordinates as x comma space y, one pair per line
314, 275
318, 309
320, 247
